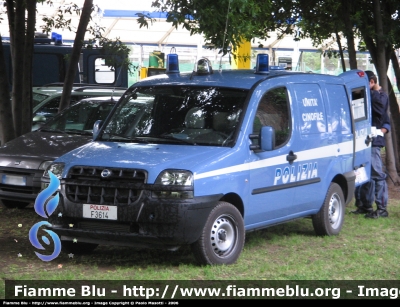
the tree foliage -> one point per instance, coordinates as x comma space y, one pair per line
228, 22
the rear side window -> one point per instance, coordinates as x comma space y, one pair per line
311, 108
358, 103
273, 111
339, 119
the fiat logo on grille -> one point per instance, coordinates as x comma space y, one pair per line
106, 173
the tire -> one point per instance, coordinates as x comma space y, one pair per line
329, 220
78, 247
222, 238
11, 204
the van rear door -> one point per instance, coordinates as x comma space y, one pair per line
360, 104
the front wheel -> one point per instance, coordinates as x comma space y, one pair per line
329, 220
222, 238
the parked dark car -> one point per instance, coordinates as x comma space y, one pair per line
23, 160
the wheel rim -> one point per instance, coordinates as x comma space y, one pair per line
335, 211
223, 235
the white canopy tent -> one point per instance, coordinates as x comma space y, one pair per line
119, 20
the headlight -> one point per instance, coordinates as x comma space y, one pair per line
45, 165
56, 169
174, 184
175, 177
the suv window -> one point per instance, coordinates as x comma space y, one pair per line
38, 98
50, 109
81, 116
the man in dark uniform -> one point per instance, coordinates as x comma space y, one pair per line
375, 189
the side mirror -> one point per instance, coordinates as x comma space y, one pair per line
39, 119
267, 138
96, 127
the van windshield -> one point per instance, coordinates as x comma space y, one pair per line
177, 115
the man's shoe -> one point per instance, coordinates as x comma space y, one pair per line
372, 215
360, 211
376, 214
383, 213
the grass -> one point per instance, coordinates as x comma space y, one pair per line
364, 250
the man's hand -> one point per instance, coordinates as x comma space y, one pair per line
375, 87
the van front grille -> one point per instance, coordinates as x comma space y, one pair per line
120, 187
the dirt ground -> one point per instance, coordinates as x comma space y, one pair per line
394, 192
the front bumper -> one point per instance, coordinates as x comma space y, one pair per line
150, 222
22, 193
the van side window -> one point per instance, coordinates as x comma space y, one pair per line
358, 103
273, 111
104, 73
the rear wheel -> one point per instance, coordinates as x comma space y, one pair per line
222, 238
329, 220
77, 247
11, 204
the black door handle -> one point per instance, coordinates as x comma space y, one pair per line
291, 157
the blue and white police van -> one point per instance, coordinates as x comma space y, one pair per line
201, 158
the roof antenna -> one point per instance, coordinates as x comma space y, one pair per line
116, 80
115, 85
226, 29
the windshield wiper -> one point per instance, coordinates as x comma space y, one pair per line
43, 129
77, 131
172, 137
147, 139
121, 138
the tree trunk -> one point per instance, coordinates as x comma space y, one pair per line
382, 67
378, 51
394, 120
340, 51
26, 124
6, 134
76, 51
394, 108
349, 33
17, 35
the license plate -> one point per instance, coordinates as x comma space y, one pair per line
361, 175
14, 180
101, 212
